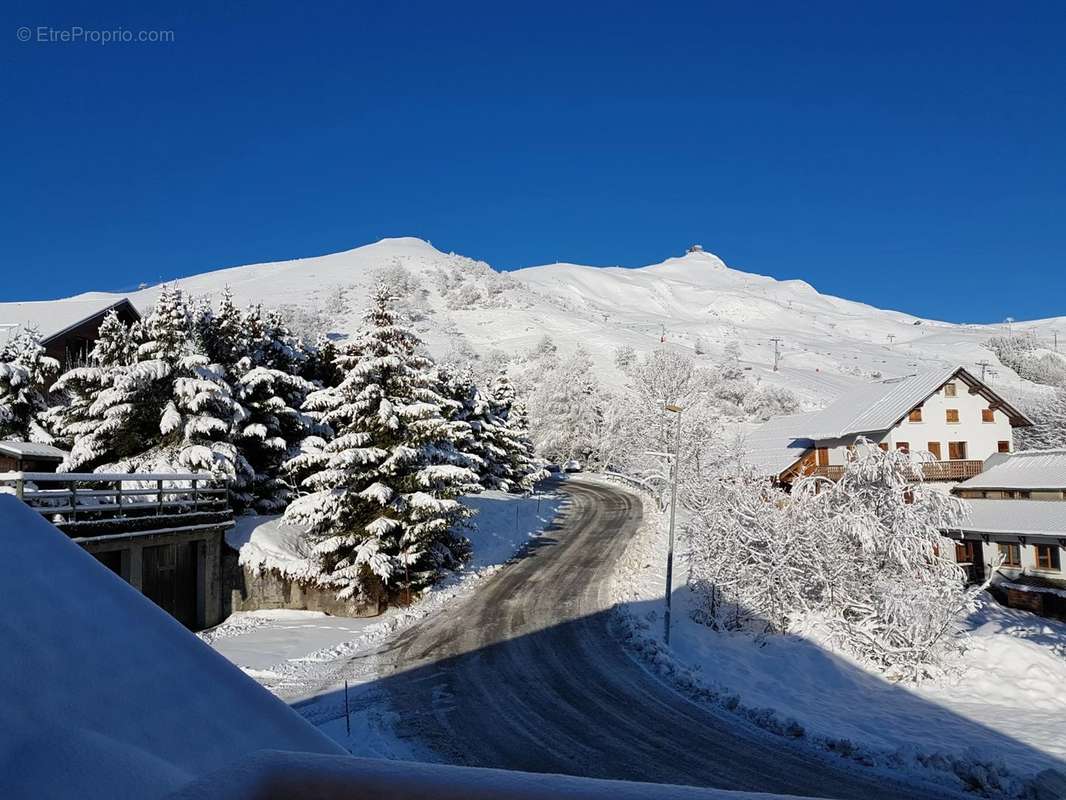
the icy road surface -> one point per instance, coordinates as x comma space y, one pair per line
526, 674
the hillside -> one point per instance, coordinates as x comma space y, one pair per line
691, 302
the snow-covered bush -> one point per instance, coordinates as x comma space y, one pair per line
864, 557
1048, 430
26, 375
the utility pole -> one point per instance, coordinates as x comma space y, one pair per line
891, 338
777, 356
1010, 327
673, 512
1055, 335
984, 365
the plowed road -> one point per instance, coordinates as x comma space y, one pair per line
526, 674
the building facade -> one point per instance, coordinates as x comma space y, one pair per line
950, 422
1017, 521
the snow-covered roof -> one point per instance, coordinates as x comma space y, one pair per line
53, 317
114, 697
1022, 517
1028, 469
872, 408
32, 450
878, 406
774, 446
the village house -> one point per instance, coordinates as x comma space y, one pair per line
68, 328
950, 420
1017, 514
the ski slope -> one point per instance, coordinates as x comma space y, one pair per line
827, 343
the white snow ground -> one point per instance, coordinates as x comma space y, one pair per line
1005, 707
299, 654
828, 343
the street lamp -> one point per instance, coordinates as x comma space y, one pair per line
675, 409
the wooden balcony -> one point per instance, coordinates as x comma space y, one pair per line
932, 471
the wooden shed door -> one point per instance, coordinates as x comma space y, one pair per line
168, 578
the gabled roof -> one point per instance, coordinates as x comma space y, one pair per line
53, 318
32, 450
870, 409
1021, 517
1029, 469
774, 446
879, 406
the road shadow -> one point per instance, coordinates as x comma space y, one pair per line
573, 698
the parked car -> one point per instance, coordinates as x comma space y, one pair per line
573, 465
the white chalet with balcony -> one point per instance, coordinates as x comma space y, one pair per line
949, 420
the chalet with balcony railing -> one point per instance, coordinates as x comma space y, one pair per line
162, 533
948, 419
1017, 519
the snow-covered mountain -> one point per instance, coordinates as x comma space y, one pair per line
693, 302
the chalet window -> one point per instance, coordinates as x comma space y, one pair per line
1012, 554
823, 456
934, 449
957, 451
915, 415
1003, 447
903, 446
952, 414
949, 390
1047, 556
884, 446
988, 415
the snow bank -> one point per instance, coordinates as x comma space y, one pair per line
298, 775
501, 525
107, 695
1001, 719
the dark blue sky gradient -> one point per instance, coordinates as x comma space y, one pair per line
912, 156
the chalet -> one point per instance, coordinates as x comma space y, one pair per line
68, 328
29, 457
1018, 513
951, 421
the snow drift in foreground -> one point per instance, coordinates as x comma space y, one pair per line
1000, 720
107, 695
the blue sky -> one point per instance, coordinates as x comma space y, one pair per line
911, 156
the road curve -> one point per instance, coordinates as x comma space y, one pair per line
526, 674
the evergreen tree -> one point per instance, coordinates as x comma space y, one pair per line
520, 467
381, 501
76, 417
26, 375
171, 409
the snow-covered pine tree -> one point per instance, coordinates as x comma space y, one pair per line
381, 504
80, 387
26, 376
518, 468
169, 410
224, 334
273, 430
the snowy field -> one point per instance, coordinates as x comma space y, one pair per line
1003, 708
299, 654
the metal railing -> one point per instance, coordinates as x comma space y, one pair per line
109, 503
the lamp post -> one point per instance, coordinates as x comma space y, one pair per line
673, 513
